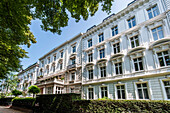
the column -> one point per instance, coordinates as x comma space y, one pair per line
44, 90
54, 89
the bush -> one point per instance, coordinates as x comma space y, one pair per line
119, 106
56, 103
27, 102
16, 92
6, 101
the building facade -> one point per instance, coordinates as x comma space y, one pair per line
127, 56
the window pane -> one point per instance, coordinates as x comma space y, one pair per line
136, 67
123, 94
145, 91
140, 94
118, 94
161, 35
168, 92
167, 60
141, 65
161, 62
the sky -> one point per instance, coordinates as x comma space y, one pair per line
46, 41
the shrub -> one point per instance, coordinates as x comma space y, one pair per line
34, 90
27, 102
119, 106
6, 101
16, 92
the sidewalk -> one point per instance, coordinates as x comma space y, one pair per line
7, 109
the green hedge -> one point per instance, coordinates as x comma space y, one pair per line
119, 106
55, 103
27, 102
6, 101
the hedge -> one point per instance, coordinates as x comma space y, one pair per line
55, 103
27, 102
119, 106
6, 101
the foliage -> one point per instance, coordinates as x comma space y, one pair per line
16, 16
27, 102
10, 83
120, 106
56, 103
105, 98
6, 101
34, 90
16, 92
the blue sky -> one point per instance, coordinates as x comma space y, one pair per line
46, 41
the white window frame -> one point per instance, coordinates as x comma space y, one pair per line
61, 65
103, 71
61, 54
131, 22
59, 90
91, 58
99, 37
100, 96
116, 47
155, 27
134, 40
163, 56
118, 68
91, 43
148, 88
102, 53
71, 76
151, 8
114, 30
163, 88
88, 93
138, 64
72, 48
126, 92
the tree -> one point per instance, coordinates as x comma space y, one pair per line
16, 92
10, 83
16, 16
34, 90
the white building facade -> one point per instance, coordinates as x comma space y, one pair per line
127, 56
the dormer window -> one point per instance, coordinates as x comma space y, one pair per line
102, 53
74, 49
134, 41
61, 54
90, 43
153, 11
101, 37
114, 31
131, 22
157, 33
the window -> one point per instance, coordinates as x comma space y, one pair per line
116, 48
90, 91
167, 88
53, 68
90, 57
61, 54
138, 64
47, 70
73, 61
49, 90
157, 33
61, 66
54, 57
71, 90
121, 91
134, 41
42, 63
142, 91
131, 22
114, 31
59, 90
102, 53
101, 38
118, 68
152, 12
48, 60
72, 76
74, 49
164, 59
104, 92
90, 74
90, 43
103, 71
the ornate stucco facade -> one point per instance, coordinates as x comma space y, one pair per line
127, 56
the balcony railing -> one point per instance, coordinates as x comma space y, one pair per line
71, 66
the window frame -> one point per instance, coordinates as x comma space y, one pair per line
101, 39
90, 42
74, 49
100, 91
131, 22
163, 88
157, 34
92, 92
103, 71
103, 53
134, 40
138, 64
125, 88
90, 57
113, 30
118, 68
151, 8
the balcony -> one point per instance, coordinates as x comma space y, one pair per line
72, 66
